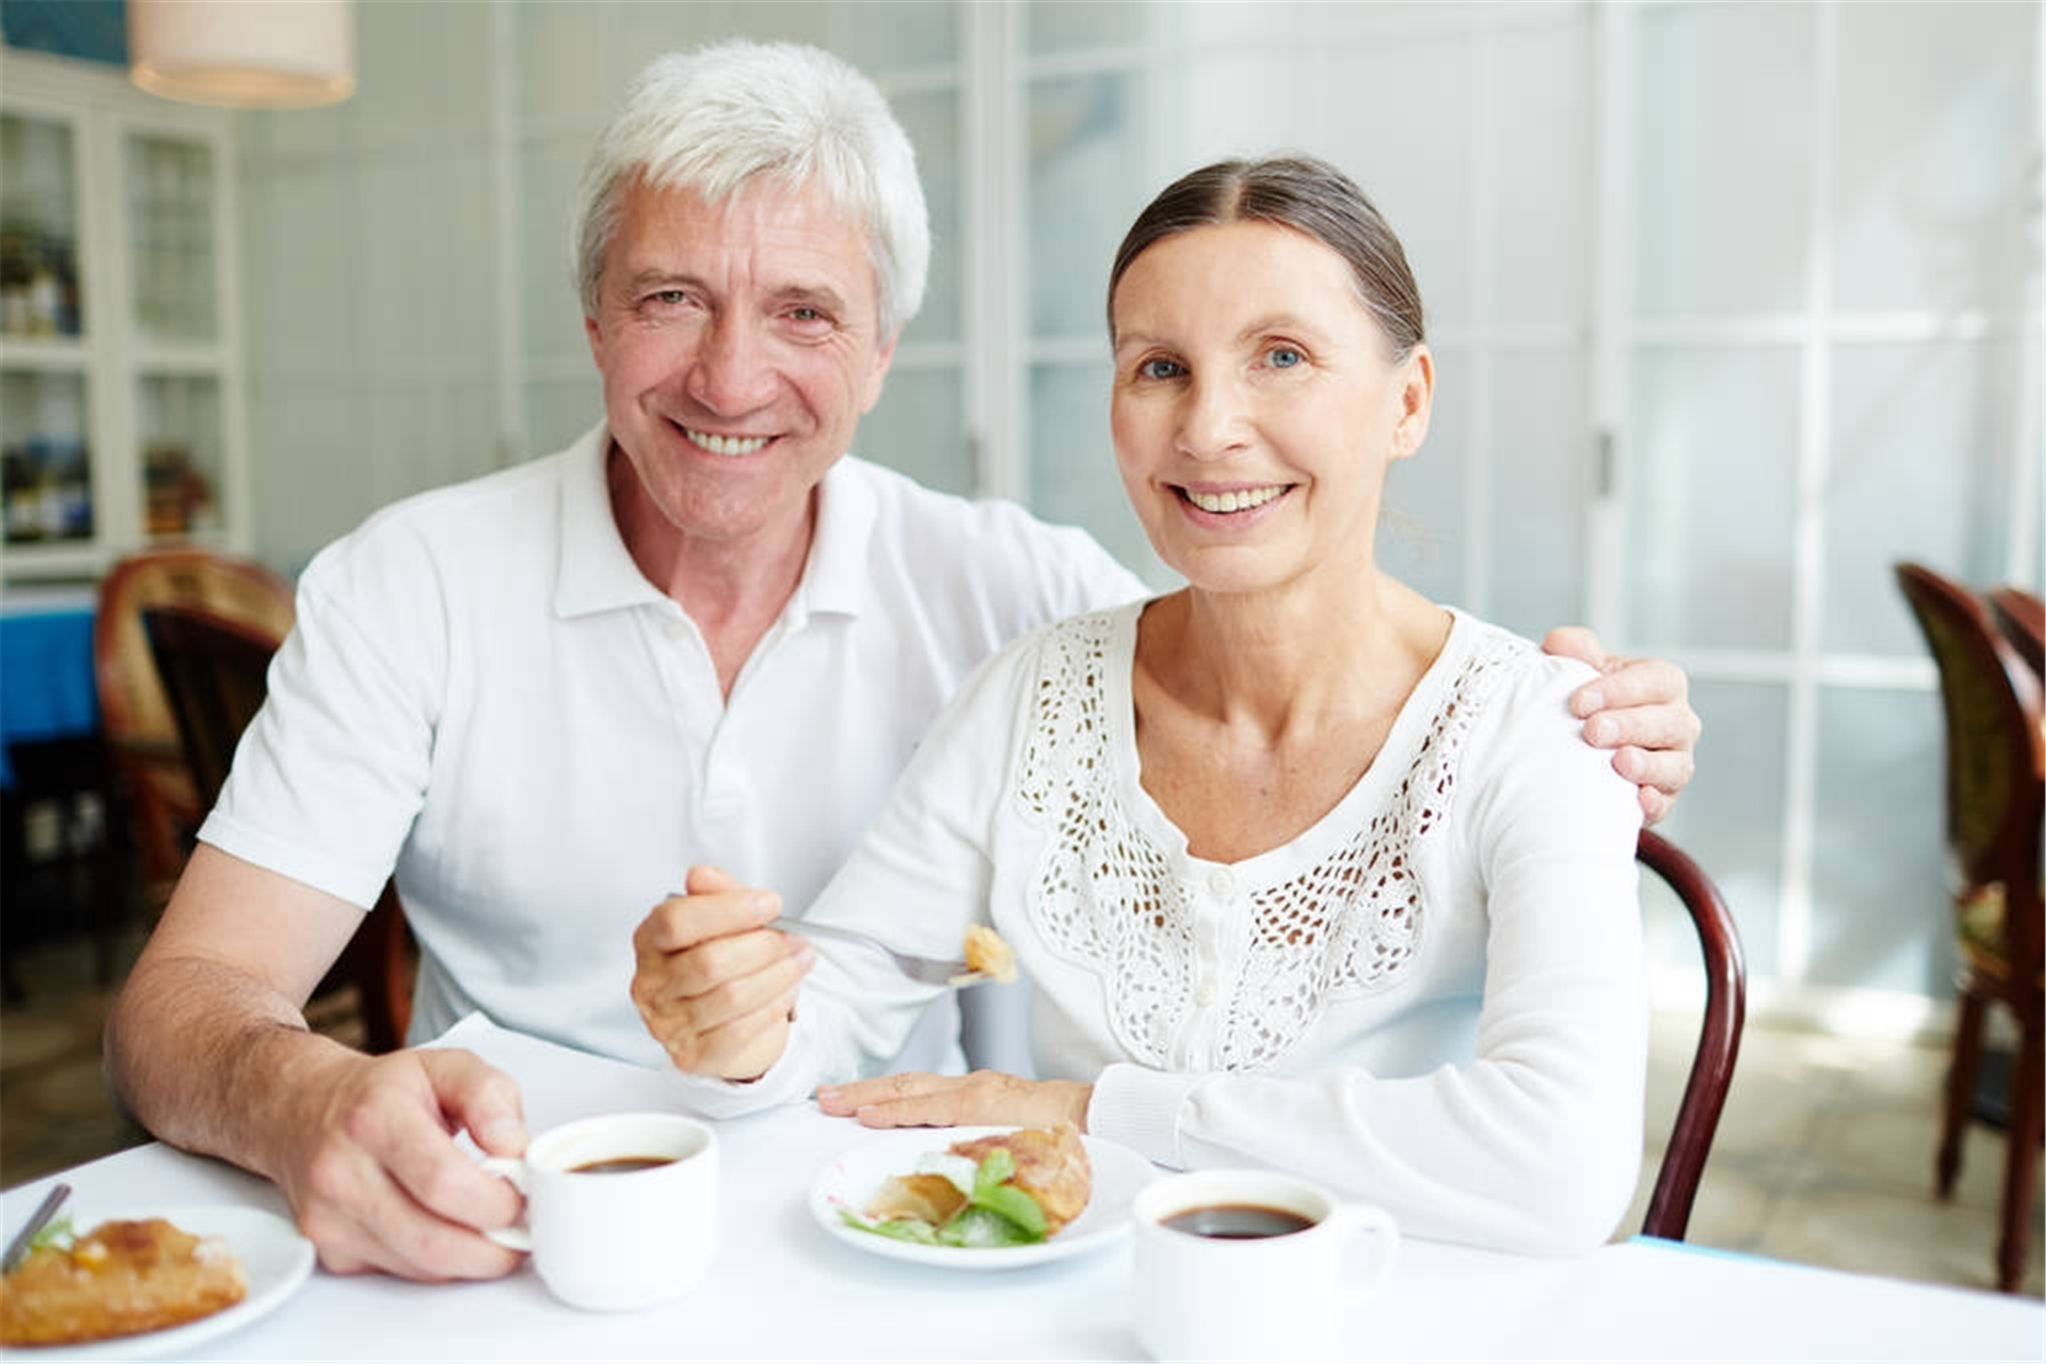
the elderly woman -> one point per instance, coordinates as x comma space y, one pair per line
1308, 871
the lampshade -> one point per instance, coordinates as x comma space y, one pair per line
249, 54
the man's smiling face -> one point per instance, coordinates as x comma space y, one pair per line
740, 345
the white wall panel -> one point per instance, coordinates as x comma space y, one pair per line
1722, 95
1934, 196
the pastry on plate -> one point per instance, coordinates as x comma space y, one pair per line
1051, 1166
119, 1279
1009, 1188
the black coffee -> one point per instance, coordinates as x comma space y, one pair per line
1238, 1222
620, 1165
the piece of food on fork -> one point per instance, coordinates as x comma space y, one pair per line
988, 954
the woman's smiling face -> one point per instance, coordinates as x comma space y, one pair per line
1256, 405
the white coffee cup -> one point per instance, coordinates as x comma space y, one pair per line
612, 1239
1253, 1264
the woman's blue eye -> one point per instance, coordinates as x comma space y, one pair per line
1159, 369
1284, 357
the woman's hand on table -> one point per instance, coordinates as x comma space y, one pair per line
714, 987
374, 1176
986, 1097
1639, 708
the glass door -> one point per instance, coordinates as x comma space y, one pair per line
1824, 335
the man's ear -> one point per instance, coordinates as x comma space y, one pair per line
883, 358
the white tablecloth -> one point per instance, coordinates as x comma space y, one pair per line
783, 1289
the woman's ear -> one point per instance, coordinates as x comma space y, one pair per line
1416, 379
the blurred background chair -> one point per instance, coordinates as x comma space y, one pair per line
1995, 775
2021, 618
153, 787
1719, 1035
214, 672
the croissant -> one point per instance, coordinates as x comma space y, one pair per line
1051, 1166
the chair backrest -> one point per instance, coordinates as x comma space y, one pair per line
1993, 742
2021, 619
215, 675
1719, 1036
135, 716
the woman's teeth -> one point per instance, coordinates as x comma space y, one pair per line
726, 445
1234, 501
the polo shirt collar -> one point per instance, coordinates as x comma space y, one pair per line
836, 579
597, 572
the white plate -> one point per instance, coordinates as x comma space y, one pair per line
275, 1261
848, 1182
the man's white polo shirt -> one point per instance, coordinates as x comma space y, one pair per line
483, 687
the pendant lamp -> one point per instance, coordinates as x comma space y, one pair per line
246, 54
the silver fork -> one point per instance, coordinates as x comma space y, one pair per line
927, 970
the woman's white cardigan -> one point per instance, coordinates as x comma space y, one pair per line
1433, 999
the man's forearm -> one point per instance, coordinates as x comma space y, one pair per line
212, 1061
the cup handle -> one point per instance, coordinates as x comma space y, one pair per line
1360, 1220
518, 1236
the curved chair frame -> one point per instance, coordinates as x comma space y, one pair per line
2021, 619
1719, 1036
1995, 796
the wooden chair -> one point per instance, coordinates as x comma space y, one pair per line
1719, 1036
1995, 796
2021, 618
214, 672
153, 787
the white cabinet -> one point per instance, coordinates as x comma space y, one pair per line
120, 349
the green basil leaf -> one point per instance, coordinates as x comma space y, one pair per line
996, 1169
1013, 1205
56, 1232
978, 1228
895, 1229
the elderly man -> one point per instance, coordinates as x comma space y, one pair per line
702, 633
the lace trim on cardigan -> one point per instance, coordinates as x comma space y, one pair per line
1106, 898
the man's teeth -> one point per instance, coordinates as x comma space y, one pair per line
726, 445
1233, 501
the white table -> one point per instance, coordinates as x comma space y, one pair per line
783, 1289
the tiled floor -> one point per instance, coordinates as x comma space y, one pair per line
1824, 1155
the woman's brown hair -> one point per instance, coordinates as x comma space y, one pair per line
1303, 193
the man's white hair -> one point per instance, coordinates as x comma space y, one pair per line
713, 119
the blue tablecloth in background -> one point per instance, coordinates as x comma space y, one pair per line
47, 689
